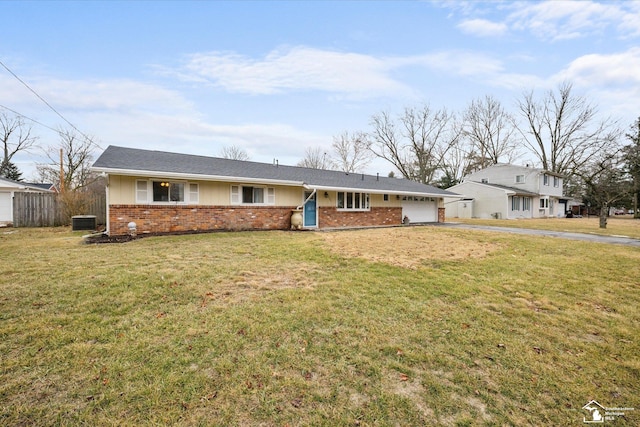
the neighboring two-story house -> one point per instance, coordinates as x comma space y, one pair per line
510, 192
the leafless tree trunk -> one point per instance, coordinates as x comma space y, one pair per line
76, 162
417, 142
491, 132
605, 180
456, 164
561, 130
632, 160
234, 153
15, 136
352, 151
315, 158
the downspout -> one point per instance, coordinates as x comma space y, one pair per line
313, 193
107, 227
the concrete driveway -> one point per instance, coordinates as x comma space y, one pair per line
615, 240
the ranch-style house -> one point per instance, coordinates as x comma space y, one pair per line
163, 192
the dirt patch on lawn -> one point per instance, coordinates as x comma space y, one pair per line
408, 247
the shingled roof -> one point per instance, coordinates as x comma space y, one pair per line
148, 163
516, 191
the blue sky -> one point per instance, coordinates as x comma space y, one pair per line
275, 78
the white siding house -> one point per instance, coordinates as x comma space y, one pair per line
510, 192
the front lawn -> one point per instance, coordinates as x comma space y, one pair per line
398, 326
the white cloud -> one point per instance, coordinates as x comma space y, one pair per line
483, 27
477, 68
550, 20
618, 69
186, 134
111, 95
347, 74
462, 63
562, 20
72, 98
630, 22
297, 68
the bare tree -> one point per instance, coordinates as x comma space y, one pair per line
417, 142
316, 158
352, 151
15, 136
77, 154
456, 164
491, 133
234, 153
605, 181
561, 130
632, 162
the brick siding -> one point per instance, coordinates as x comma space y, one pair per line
331, 217
170, 219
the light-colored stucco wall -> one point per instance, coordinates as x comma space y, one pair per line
504, 174
122, 190
487, 201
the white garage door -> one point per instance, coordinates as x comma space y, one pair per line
6, 210
420, 209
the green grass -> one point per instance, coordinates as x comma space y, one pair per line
280, 328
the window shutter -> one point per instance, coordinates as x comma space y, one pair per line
235, 194
142, 191
271, 196
193, 193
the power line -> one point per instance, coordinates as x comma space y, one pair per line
44, 101
29, 118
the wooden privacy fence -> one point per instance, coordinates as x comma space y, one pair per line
50, 210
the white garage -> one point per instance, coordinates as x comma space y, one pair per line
6, 207
420, 209
8, 188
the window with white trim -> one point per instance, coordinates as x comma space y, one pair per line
149, 191
526, 203
545, 179
252, 195
347, 200
165, 191
556, 181
418, 199
544, 203
519, 179
515, 203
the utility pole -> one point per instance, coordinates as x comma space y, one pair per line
61, 173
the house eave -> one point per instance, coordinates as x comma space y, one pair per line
265, 181
375, 191
197, 177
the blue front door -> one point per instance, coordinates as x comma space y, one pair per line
310, 219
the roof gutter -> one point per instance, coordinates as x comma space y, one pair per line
376, 191
186, 176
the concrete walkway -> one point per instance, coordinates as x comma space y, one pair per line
615, 240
